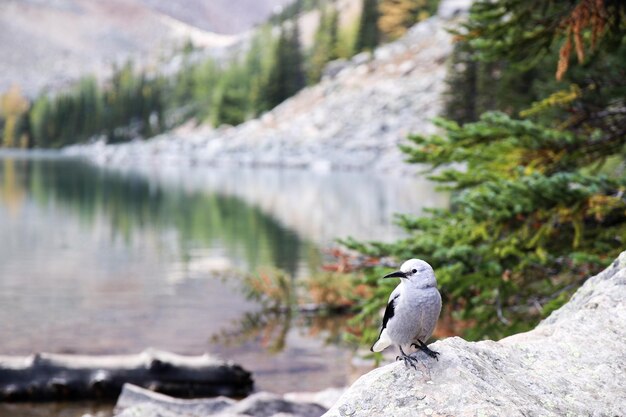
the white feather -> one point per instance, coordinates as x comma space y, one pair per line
383, 342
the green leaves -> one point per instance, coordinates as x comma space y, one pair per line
526, 217
537, 203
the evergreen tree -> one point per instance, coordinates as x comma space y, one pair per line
39, 121
333, 34
287, 75
232, 100
258, 66
231, 106
131, 104
205, 81
537, 204
475, 86
368, 35
24, 131
295, 60
461, 94
583, 26
325, 44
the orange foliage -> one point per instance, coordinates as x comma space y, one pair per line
347, 262
587, 14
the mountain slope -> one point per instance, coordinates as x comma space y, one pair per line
49, 43
221, 16
354, 119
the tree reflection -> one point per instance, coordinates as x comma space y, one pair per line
132, 204
288, 304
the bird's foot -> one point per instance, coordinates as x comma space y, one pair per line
408, 360
424, 348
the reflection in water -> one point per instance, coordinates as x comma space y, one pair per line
95, 261
271, 328
318, 206
286, 303
131, 206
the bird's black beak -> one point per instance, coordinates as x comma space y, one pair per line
397, 274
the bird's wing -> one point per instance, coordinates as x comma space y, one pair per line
389, 312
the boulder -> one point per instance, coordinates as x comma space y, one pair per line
571, 364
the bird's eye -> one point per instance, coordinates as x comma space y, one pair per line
414, 271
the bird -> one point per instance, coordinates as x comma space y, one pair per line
412, 311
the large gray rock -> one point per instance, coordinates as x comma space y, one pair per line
572, 364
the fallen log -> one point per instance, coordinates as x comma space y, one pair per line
52, 377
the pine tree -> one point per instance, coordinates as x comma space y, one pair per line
537, 203
368, 35
231, 106
131, 104
333, 34
258, 66
325, 44
295, 60
583, 26
39, 120
287, 75
24, 131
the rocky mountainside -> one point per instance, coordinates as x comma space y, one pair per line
354, 119
49, 43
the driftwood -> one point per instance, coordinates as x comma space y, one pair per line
49, 377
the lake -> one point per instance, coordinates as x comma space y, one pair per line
108, 261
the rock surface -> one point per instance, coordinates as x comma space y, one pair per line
136, 401
572, 364
353, 119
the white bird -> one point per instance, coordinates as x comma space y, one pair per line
412, 311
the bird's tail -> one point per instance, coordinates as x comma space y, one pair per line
382, 343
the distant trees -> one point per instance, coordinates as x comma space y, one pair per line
130, 105
386, 20
368, 36
396, 16
12, 106
325, 47
233, 99
287, 75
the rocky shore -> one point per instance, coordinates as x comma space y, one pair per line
353, 120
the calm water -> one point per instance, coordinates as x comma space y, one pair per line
99, 261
